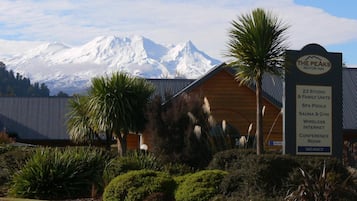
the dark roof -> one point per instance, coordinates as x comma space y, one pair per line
34, 117
349, 84
165, 87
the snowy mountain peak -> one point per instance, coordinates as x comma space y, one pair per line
189, 46
47, 49
70, 69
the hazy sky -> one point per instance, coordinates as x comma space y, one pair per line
330, 23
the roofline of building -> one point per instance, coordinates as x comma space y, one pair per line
214, 71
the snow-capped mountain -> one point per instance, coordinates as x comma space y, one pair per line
71, 68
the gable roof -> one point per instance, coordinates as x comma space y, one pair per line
223, 67
213, 71
165, 87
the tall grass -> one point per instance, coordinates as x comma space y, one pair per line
54, 173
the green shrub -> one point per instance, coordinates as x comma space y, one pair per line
231, 159
200, 186
250, 173
270, 176
181, 178
138, 184
132, 161
177, 169
60, 173
11, 160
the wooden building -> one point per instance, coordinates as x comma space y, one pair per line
235, 104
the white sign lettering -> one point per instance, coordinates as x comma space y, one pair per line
313, 120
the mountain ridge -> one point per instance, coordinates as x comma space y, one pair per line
70, 68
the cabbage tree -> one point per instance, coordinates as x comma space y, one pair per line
117, 104
256, 46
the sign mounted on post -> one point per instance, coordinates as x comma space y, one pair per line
313, 102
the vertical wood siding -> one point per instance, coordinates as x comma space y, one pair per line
237, 105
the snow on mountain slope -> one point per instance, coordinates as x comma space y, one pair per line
71, 69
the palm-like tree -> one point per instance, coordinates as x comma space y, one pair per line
118, 103
78, 126
256, 44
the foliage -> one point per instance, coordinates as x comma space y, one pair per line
230, 159
78, 125
184, 131
5, 139
173, 131
177, 169
11, 85
331, 182
256, 45
200, 186
132, 161
62, 94
270, 176
252, 174
181, 178
59, 174
327, 186
139, 184
117, 104
223, 136
11, 160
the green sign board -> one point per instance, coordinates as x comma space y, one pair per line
313, 102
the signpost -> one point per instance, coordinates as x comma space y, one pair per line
313, 102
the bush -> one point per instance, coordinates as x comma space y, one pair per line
11, 160
250, 173
328, 182
200, 186
5, 139
172, 124
177, 169
231, 159
60, 173
270, 176
132, 161
138, 185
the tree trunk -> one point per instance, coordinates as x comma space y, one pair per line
259, 123
121, 144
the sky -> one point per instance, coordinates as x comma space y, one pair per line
330, 23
